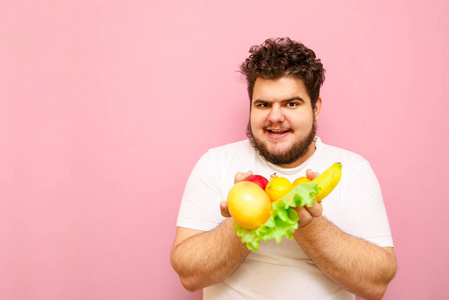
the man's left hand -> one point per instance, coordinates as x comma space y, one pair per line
307, 214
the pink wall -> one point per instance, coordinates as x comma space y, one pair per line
105, 106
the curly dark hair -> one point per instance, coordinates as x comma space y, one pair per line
281, 57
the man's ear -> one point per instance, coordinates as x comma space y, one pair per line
317, 109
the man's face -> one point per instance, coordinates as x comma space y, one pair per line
282, 121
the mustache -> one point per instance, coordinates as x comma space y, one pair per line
297, 151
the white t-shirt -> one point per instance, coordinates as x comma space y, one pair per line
284, 271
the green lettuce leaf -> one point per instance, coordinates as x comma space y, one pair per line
283, 220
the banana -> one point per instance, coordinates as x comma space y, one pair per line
328, 180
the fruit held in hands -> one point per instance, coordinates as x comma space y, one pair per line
258, 179
278, 187
300, 180
328, 180
248, 204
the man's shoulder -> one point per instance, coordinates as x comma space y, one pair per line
341, 154
232, 154
235, 147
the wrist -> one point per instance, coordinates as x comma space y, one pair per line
234, 238
310, 227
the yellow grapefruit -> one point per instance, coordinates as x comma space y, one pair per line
248, 204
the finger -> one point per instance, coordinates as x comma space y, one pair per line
240, 176
312, 175
316, 210
224, 209
304, 216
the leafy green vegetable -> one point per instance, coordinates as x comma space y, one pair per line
283, 220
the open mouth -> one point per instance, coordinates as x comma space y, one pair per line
278, 132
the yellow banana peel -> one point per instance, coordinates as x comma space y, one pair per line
328, 180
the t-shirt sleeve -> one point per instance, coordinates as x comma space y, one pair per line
200, 205
364, 213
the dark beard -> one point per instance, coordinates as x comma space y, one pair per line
297, 151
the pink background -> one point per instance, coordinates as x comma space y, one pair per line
105, 106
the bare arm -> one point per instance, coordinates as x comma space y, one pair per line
355, 264
205, 258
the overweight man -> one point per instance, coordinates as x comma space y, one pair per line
343, 246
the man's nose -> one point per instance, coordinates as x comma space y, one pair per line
276, 114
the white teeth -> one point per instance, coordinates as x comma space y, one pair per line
277, 132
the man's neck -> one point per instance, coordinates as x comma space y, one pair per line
310, 151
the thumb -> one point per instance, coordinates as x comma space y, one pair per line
224, 209
312, 175
240, 176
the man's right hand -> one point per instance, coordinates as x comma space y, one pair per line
203, 258
239, 176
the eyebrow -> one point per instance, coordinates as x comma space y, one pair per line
282, 101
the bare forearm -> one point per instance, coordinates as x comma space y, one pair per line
209, 257
357, 265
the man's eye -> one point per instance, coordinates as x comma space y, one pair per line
292, 104
262, 104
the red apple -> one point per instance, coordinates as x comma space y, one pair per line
258, 179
